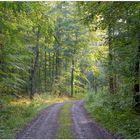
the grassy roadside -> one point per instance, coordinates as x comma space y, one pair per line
64, 130
117, 117
16, 113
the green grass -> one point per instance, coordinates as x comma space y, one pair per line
15, 114
114, 114
64, 130
79, 96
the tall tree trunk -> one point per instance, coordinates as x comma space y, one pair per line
34, 67
38, 80
57, 65
45, 71
110, 57
53, 68
95, 84
136, 85
72, 78
50, 68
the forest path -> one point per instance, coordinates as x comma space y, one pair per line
45, 125
84, 127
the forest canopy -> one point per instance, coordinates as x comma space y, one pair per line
72, 48
69, 47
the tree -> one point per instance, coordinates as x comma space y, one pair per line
120, 20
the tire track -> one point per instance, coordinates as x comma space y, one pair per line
85, 128
44, 126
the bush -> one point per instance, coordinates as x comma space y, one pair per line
114, 112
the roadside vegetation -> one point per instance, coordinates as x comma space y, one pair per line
15, 114
112, 113
65, 122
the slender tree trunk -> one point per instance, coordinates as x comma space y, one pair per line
111, 80
136, 85
50, 68
34, 68
33, 72
72, 78
57, 65
95, 84
45, 71
53, 69
39, 81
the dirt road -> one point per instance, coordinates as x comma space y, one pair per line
45, 125
84, 127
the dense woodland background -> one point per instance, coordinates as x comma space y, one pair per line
69, 48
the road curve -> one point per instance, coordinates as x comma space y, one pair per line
45, 124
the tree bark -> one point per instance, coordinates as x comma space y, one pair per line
136, 85
53, 68
45, 71
72, 78
95, 84
34, 67
110, 57
57, 65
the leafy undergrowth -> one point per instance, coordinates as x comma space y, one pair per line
79, 96
64, 130
14, 114
114, 114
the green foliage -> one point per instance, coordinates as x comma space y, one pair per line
114, 112
15, 115
18, 38
68, 47
60, 87
38, 42
115, 23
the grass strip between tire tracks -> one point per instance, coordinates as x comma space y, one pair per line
64, 120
